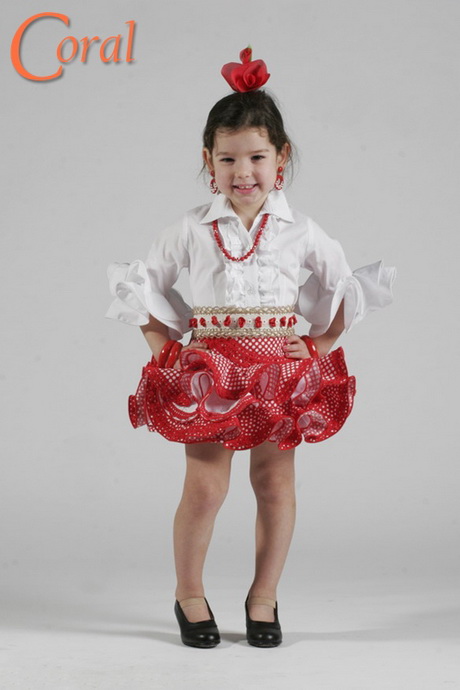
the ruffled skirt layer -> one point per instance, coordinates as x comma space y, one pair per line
243, 391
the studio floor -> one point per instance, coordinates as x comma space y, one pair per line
396, 634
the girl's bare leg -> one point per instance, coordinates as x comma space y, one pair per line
273, 480
205, 487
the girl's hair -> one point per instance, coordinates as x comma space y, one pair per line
250, 109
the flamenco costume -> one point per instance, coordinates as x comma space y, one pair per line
243, 391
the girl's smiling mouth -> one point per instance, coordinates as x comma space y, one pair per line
244, 188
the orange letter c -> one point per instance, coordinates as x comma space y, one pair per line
16, 47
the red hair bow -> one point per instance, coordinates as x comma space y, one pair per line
249, 76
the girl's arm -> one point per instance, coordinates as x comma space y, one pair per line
156, 335
325, 342
297, 349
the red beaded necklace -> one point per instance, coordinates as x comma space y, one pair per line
226, 253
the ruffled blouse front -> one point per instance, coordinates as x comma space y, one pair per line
269, 277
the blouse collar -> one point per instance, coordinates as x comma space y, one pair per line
275, 204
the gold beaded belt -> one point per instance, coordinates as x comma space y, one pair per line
237, 322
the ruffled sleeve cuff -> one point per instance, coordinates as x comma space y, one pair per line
133, 287
366, 289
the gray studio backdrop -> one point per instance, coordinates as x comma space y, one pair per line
95, 163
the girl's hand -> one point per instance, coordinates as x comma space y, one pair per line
295, 348
193, 345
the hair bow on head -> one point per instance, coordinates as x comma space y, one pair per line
248, 76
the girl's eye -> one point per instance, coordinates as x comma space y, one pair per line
256, 157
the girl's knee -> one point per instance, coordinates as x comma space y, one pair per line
207, 498
207, 478
273, 488
272, 474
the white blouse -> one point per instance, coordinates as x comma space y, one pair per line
269, 277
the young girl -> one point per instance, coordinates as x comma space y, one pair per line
245, 380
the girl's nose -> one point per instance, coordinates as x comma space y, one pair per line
243, 171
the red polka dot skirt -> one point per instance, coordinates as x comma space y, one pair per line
243, 391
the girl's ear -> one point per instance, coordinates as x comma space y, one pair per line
283, 156
207, 157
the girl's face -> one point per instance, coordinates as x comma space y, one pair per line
245, 166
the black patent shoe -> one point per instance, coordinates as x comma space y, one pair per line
203, 634
261, 633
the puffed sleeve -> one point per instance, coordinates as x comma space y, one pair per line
144, 288
332, 280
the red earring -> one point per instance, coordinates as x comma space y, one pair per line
212, 183
279, 182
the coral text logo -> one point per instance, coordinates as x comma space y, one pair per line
86, 42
